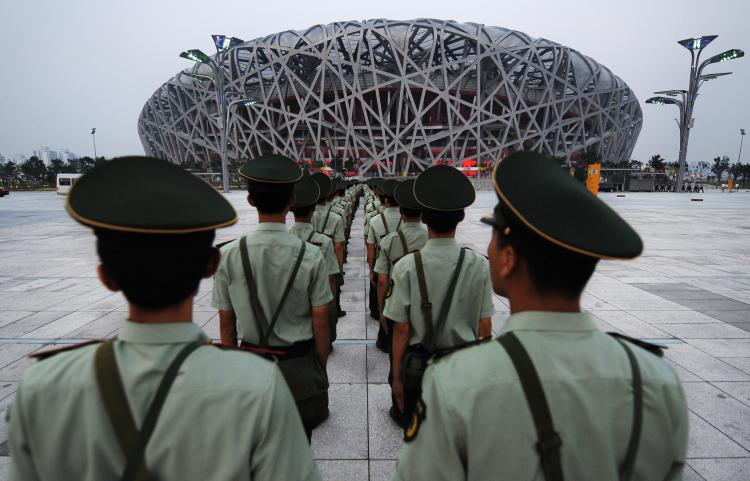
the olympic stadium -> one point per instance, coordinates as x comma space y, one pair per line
396, 96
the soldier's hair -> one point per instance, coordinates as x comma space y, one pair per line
390, 200
304, 211
155, 271
553, 273
442, 221
270, 198
412, 213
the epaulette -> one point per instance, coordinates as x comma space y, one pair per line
42, 355
474, 251
222, 244
654, 349
446, 352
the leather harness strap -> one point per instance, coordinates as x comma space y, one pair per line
259, 315
132, 441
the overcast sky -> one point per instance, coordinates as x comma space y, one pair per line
69, 65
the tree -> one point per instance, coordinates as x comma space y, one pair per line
702, 167
634, 164
9, 172
349, 164
657, 163
721, 165
34, 170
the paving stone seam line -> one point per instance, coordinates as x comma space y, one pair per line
725, 434
741, 401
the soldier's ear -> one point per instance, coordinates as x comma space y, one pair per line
108, 282
509, 260
250, 200
213, 263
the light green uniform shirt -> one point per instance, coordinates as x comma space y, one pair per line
273, 252
391, 248
479, 426
472, 298
228, 416
377, 230
305, 231
334, 226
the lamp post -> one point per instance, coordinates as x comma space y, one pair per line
243, 101
697, 79
93, 137
742, 137
223, 45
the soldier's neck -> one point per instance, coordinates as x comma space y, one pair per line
530, 302
182, 312
431, 234
276, 218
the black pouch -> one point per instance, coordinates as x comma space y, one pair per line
414, 365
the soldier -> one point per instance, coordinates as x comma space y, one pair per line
272, 292
328, 221
158, 400
306, 193
553, 397
455, 280
380, 226
409, 238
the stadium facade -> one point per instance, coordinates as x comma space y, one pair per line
396, 96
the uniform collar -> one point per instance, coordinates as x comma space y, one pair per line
169, 333
302, 226
550, 321
440, 244
271, 226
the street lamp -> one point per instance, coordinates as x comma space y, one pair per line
697, 79
223, 45
93, 137
742, 137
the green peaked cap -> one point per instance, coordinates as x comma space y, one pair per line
149, 196
442, 187
272, 169
540, 202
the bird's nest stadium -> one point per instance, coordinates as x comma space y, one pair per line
397, 96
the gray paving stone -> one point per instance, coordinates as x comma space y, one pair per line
722, 469
705, 441
689, 474
715, 305
723, 412
703, 331
344, 434
673, 317
657, 304
738, 390
64, 325
382, 470
385, 435
703, 365
377, 366
723, 347
742, 363
343, 470
352, 325
630, 325
729, 316
8, 317
346, 364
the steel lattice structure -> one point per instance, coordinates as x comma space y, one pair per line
398, 95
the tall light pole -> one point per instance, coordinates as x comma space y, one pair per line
742, 137
223, 45
93, 137
697, 79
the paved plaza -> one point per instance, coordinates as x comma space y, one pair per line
690, 291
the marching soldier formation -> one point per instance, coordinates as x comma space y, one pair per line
550, 398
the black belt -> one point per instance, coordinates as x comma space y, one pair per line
298, 349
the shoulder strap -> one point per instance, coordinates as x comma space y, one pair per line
626, 469
549, 442
264, 339
448, 300
385, 223
402, 238
398, 226
325, 222
132, 442
426, 305
258, 314
309, 238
